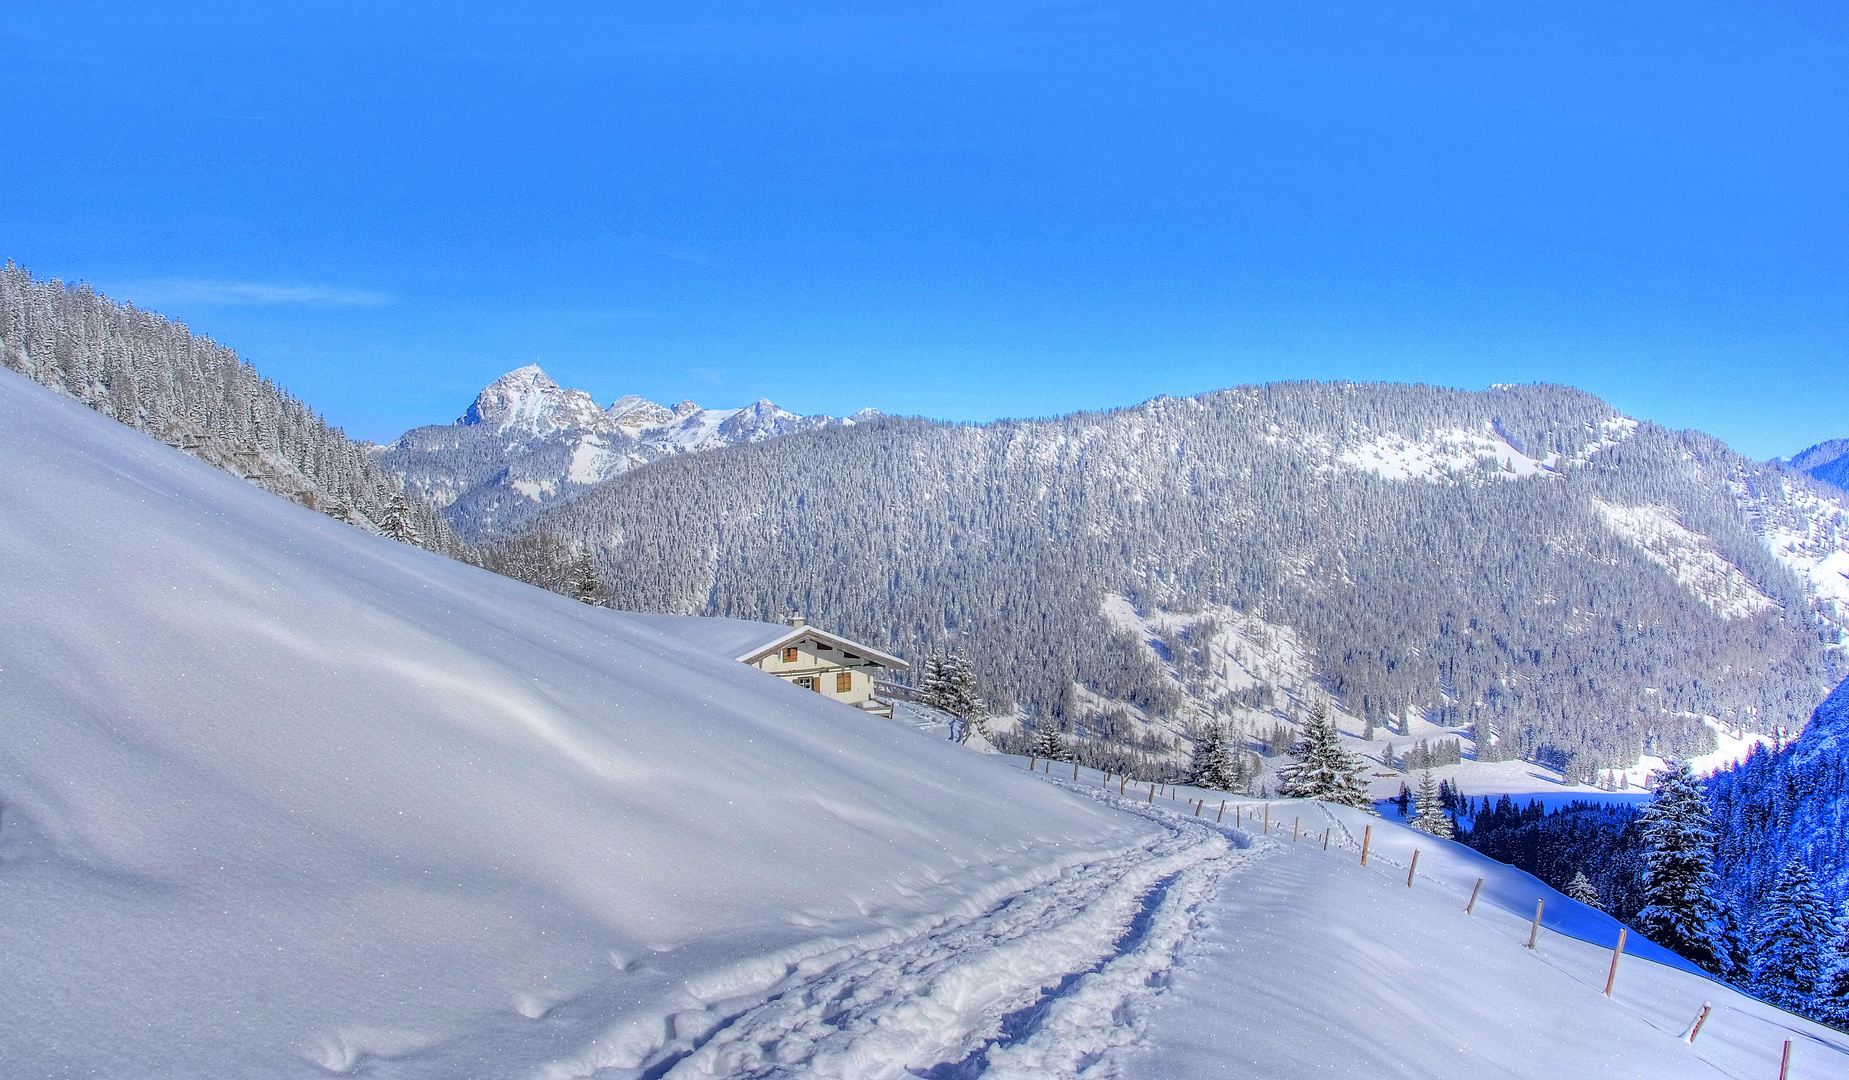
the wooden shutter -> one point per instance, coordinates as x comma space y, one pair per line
844, 682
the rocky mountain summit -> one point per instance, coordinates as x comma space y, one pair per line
526, 443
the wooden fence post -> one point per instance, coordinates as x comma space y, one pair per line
1238, 811
1267, 819
1075, 770
1121, 781
1325, 839
1534, 929
1612, 976
1198, 803
1413, 869
1031, 761
1152, 794
1468, 908
1706, 1008
1222, 812
1366, 839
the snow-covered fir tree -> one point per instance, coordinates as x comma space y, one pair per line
1830, 1004
398, 523
1582, 889
1214, 766
1430, 816
1320, 769
1679, 909
949, 686
585, 584
1047, 744
1733, 948
1793, 931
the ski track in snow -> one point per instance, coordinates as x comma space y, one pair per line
1036, 986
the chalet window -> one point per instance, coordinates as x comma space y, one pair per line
843, 683
790, 655
809, 682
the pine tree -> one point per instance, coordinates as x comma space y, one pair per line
1794, 927
1320, 769
933, 688
398, 523
1431, 817
964, 700
1213, 765
1679, 908
1047, 745
1582, 889
1830, 1004
585, 585
1735, 952
949, 686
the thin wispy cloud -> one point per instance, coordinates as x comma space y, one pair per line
154, 293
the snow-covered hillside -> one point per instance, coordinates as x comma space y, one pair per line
526, 443
1251, 675
1307, 964
280, 797
1826, 461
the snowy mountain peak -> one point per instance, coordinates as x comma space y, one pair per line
528, 442
528, 399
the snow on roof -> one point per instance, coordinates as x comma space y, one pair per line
748, 641
730, 638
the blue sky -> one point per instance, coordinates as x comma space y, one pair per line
960, 210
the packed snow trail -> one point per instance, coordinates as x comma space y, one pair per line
1028, 988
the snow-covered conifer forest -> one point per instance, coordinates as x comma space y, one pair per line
1523, 566
192, 393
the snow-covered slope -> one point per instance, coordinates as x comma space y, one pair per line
280, 797
1827, 461
526, 443
1527, 558
1308, 965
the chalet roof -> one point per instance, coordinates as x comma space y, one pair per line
748, 641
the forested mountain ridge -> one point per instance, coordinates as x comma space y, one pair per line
527, 443
1524, 563
1827, 461
190, 392
1785, 804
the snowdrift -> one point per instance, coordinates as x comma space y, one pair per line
279, 797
